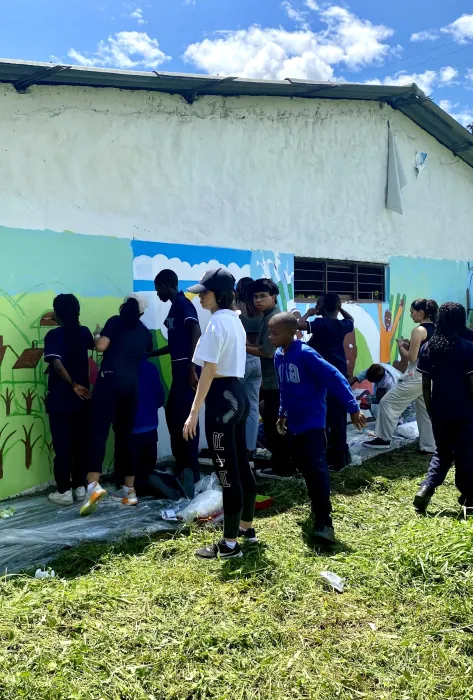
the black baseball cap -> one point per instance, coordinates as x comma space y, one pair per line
217, 280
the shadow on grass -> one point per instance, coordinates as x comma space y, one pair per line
254, 566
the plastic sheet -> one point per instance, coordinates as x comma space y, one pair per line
405, 434
209, 500
38, 529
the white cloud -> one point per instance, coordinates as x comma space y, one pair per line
312, 5
295, 15
146, 268
462, 114
264, 52
138, 15
426, 35
461, 29
427, 81
125, 50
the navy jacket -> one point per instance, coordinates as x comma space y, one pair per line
304, 379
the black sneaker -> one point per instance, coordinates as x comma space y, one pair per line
422, 498
269, 473
377, 444
249, 536
324, 534
219, 550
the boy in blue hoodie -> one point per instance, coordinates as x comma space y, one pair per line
304, 379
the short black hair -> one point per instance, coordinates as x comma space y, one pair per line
331, 301
265, 285
166, 278
287, 319
375, 373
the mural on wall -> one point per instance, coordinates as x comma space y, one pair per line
35, 266
100, 271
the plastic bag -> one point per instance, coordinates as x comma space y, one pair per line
209, 500
410, 431
333, 580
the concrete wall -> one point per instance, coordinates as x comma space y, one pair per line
305, 176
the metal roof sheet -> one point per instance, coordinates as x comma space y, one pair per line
409, 99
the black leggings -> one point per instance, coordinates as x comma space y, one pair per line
226, 411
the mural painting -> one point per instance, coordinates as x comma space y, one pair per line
101, 270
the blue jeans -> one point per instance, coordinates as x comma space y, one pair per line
251, 384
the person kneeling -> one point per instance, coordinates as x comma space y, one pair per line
304, 379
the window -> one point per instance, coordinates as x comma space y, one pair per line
353, 281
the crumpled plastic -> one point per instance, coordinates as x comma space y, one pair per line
40, 529
209, 500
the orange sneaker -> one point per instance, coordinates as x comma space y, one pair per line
92, 499
126, 496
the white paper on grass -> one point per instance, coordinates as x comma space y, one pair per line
396, 177
421, 161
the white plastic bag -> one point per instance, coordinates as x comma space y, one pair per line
202, 506
409, 431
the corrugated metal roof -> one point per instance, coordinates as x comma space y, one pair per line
409, 100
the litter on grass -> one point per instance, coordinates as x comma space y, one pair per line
333, 580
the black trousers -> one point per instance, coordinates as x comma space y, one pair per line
309, 450
144, 448
454, 444
277, 444
178, 407
226, 411
114, 402
70, 435
338, 454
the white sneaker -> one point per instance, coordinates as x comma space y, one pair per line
126, 496
61, 499
79, 493
92, 499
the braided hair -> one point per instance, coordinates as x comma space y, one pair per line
67, 310
450, 325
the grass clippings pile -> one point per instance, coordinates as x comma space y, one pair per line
145, 619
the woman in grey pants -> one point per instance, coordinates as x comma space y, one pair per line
251, 383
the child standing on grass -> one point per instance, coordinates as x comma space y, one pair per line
304, 379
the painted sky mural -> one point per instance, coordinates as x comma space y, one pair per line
101, 270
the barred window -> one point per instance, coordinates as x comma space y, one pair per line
353, 281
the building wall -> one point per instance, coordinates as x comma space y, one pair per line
99, 189
301, 176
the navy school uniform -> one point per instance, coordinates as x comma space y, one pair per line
451, 414
182, 315
327, 339
68, 414
115, 395
304, 379
145, 429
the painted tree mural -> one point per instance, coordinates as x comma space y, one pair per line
7, 398
29, 445
3, 445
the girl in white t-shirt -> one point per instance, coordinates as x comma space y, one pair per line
221, 352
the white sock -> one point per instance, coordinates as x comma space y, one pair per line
244, 529
230, 545
91, 486
127, 489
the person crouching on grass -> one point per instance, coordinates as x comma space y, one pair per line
304, 379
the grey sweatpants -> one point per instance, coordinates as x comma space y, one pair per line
395, 402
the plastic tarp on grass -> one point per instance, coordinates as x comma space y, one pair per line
38, 529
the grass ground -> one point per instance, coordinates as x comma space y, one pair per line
145, 619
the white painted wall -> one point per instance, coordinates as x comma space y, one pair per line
303, 176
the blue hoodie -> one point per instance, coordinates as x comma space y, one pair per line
150, 398
304, 378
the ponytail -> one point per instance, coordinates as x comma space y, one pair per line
428, 306
130, 312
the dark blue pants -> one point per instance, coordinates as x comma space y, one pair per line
144, 449
338, 454
309, 451
454, 444
178, 407
70, 434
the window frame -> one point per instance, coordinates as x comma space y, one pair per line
308, 299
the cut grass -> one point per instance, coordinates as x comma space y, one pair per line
145, 619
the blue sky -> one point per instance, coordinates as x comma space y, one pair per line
389, 41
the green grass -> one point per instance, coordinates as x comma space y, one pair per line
145, 619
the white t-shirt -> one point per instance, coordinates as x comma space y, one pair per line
224, 344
